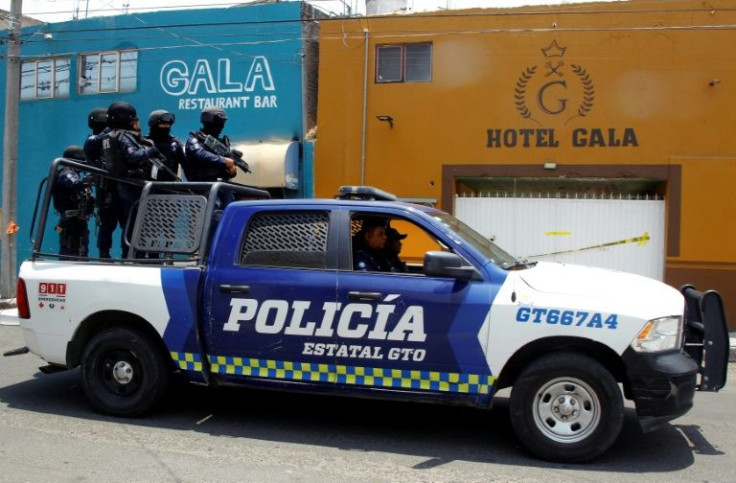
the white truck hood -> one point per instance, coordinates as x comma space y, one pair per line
621, 288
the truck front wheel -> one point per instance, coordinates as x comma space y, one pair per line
123, 372
566, 407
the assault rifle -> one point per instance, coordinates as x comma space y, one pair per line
84, 200
158, 167
224, 149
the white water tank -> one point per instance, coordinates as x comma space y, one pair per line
378, 7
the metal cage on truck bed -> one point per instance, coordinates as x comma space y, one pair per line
173, 219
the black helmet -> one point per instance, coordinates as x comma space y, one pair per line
121, 115
75, 153
160, 115
213, 115
97, 119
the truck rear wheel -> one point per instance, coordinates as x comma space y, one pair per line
123, 372
566, 407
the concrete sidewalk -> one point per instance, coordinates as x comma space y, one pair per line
8, 312
9, 316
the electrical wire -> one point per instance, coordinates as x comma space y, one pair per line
399, 34
419, 16
29, 38
578, 8
146, 9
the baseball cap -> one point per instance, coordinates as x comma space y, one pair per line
393, 234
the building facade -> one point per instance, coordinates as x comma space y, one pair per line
628, 99
258, 62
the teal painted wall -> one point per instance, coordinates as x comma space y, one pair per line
247, 59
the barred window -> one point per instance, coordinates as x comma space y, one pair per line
296, 240
45, 79
404, 63
102, 72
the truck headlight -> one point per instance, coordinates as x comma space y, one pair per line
659, 335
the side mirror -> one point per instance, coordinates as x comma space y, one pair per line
449, 265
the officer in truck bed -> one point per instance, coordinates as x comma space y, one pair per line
127, 154
109, 207
73, 200
203, 163
160, 122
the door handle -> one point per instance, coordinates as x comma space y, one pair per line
364, 296
227, 288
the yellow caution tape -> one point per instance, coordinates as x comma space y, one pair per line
639, 240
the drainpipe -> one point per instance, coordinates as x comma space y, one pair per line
365, 106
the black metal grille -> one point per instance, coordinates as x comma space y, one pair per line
170, 223
287, 240
355, 225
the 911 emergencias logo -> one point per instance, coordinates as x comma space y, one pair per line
51, 295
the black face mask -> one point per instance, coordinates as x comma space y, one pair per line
214, 128
160, 132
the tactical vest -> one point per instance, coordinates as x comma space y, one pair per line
204, 171
112, 154
70, 202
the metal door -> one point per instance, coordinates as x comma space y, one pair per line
616, 233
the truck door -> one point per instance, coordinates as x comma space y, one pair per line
270, 295
402, 330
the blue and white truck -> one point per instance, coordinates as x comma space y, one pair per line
263, 294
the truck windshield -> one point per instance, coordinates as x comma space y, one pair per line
486, 247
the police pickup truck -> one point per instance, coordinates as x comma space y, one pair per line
263, 294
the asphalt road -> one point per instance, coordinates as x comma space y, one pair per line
48, 432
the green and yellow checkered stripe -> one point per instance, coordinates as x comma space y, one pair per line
411, 379
187, 361
294, 371
340, 374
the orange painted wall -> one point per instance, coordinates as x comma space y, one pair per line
664, 70
708, 203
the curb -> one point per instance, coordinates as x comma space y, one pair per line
8, 312
9, 316
7, 304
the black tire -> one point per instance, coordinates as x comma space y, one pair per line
123, 372
566, 407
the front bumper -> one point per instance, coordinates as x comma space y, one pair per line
662, 385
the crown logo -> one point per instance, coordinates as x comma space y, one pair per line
554, 50
548, 100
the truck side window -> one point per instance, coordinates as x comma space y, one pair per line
289, 240
403, 249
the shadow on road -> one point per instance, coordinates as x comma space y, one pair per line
438, 434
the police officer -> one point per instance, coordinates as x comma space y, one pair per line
109, 207
392, 249
97, 122
203, 163
159, 132
73, 199
127, 154
368, 246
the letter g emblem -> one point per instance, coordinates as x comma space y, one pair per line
543, 97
